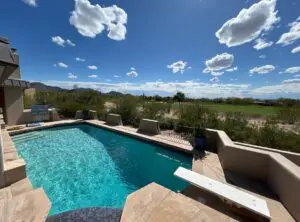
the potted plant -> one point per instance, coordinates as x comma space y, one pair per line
199, 138
85, 114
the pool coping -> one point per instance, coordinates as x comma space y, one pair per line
154, 139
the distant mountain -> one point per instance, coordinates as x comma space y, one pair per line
43, 87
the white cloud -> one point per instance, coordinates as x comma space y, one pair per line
116, 76
292, 70
190, 67
60, 41
262, 44
70, 43
262, 57
297, 76
216, 73
296, 50
132, 68
190, 88
93, 76
80, 59
31, 2
61, 65
92, 67
215, 79
72, 76
91, 20
132, 73
178, 66
232, 69
249, 24
262, 69
291, 36
218, 63
288, 81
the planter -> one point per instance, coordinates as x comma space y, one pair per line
85, 114
200, 143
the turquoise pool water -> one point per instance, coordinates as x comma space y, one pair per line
85, 166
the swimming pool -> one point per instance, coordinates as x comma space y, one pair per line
85, 166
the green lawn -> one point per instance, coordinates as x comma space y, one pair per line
247, 109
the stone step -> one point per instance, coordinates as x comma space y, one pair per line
16, 189
21, 187
31, 206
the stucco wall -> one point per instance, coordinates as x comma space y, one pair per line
294, 157
284, 179
280, 173
14, 105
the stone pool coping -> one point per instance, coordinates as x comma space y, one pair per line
128, 131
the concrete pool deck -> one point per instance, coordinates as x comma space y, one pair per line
212, 164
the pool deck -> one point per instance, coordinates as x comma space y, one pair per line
156, 203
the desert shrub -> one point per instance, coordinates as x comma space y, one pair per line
167, 123
68, 110
289, 115
127, 107
154, 110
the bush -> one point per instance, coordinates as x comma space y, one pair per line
127, 108
289, 115
68, 110
154, 110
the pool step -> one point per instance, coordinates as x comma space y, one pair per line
27, 137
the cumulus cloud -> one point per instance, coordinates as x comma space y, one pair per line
262, 56
70, 43
292, 35
190, 88
288, 81
215, 79
262, 44
61, 42
178, 66
92, 67
93, 76
80, 59
262, 69
132, 73
296, 50
31, 2
249, 24
218, 63
91, 20
72, 76
292, 70
61, 65
216, 73
232, 69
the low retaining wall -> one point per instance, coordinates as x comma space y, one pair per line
294, 157
114, 120
149, 126
281, 174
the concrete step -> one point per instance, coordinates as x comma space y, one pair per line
21, 187
31, 206
16, 189
27, 137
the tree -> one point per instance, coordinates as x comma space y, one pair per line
179, 97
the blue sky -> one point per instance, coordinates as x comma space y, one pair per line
205, 48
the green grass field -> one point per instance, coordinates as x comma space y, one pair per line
252, 110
